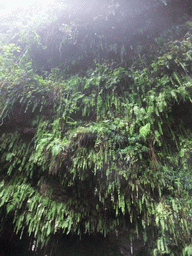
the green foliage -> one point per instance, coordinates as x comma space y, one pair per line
106, 149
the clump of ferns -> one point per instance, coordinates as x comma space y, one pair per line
83, 138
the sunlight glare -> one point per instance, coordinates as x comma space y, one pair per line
8, 6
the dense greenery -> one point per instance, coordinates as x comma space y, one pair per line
99, 139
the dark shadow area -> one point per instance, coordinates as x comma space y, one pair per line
116, 243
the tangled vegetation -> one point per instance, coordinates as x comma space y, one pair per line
101, 150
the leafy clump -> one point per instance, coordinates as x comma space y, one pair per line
99, 151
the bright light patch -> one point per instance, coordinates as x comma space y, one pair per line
8, 6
